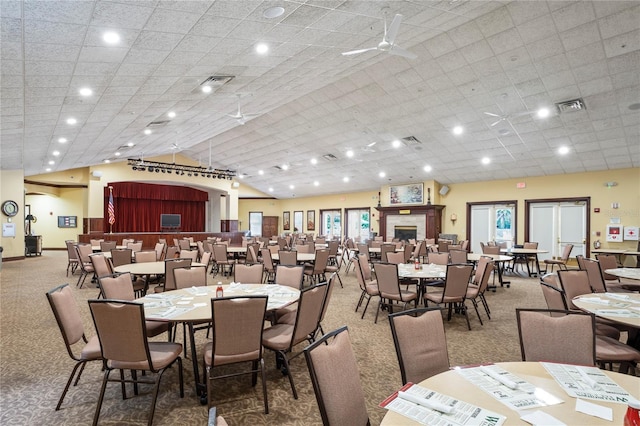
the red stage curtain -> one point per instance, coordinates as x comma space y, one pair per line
138, 206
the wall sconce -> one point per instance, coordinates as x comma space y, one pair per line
454, 217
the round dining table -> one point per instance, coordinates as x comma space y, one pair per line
628, 273
526, 253
193, 305
454, 384
623, 308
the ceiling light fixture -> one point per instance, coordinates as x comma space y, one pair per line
85, 91
260, 172
262, 48
396, 143
270, 189
130, 144
316, 183
458, 130
171, 114
110, 37
345, 179
71, 121
563, 150
349, 153
117, 154
427, 168
48, 169
382, 174
206, 89
56, 153
147, 131
486, 160
62, 140
51, 162
179, 169
291, 187
543, 113
285, 167
107, 161
314, 161
273, 12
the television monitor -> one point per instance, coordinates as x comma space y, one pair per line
170, 220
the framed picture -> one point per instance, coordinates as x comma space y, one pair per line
311, 220
286, 221
406, 194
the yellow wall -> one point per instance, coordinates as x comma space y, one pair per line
46, 208
592, 184
12, 188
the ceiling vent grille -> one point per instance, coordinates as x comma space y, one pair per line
571, 106
411, 140
330, 157
155, 124
217, 80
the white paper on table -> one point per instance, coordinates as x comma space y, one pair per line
621, 313
463, 413
495, 381
594, 409
574, 384
540, 418
199, 305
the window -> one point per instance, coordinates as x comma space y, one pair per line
492, 222
255, 224
330, 223
298, 221
358, 224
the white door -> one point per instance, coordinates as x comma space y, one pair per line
492, 223
554, 225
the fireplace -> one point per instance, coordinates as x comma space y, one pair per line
405, 232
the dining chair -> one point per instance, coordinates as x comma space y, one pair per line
407, 252
223, 263
282, 338
368, 288
290, 275
612, 282
333, 369
237, 338
101, 265
491, 250
125, 346
189, 254
287, 258
385, 249
169, 280
184, 244
190, 276
443, 246
454, 291
171, 253
107, 245
248, 274
479, 285
72, 257
65, 310
560, 263
568, 337
137, 246
120, 287
553, 294
420, 343
574, 283
205, 259
457, 255
440, 258
83, 251
389, 288
160, 249
145, 256
269, 265
396, 257
417, 252
315, 271
126, 241
95, 242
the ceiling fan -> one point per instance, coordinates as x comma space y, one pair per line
240, 116
506, 117
388, 41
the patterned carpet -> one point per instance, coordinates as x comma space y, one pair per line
35, 365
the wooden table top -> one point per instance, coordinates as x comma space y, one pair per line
453, 384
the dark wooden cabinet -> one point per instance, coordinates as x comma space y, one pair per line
33, 245
269, 226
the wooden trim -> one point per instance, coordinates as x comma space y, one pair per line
10, 259
54, 185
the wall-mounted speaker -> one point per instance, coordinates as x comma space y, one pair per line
444, 190
96, 174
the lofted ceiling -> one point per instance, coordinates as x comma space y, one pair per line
303, 100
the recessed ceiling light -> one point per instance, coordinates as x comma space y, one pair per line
458, 130
316, 183
85, 91
563, 150
291, 187
206, 89
345, 179
314, 161
285, 167
55, 153
62, 140
71, 121
273, 12
51, 162
241, 176
130, 144
171, 114
270, 189
350, 153
396, 143
48, 169
107, 161
147, 131
111, 37
262, 48
260, 172
543, 112
117, 154
382, 174
427, 168
486, 160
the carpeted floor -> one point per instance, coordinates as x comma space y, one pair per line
34, 365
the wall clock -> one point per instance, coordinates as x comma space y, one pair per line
10, 208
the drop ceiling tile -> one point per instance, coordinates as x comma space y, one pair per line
46, 81
549, 46
585, 55
54, 32
50, 52
573, 15
11, 30
145, 56
11, 51
441, 45
121, 15
171, 21
495, 22
155, 40
525, 11
478, 51
466, 34
71, 12
505, 41
11, 9
214, 26
622, 44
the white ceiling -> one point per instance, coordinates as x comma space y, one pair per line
503, 57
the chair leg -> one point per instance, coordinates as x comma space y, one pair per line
365, 307
105, 378
466, 314
66, 388
377, 311
264, 386
486, 306
286, 365
475, 306
154, 398
84, 363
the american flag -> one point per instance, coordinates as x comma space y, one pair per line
111, 209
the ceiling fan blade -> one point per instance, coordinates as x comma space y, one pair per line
399, 51
355, 52
237, 116
492, 114
392, 32
520, 114
496, 122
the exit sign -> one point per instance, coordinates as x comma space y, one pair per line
521, 185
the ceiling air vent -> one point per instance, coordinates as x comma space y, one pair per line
217, 80
330, 157
411, 140
571, 106
155, 124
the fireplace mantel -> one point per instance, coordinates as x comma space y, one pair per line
432, 213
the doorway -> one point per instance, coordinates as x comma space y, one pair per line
492, 221
358, 224
331, 223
